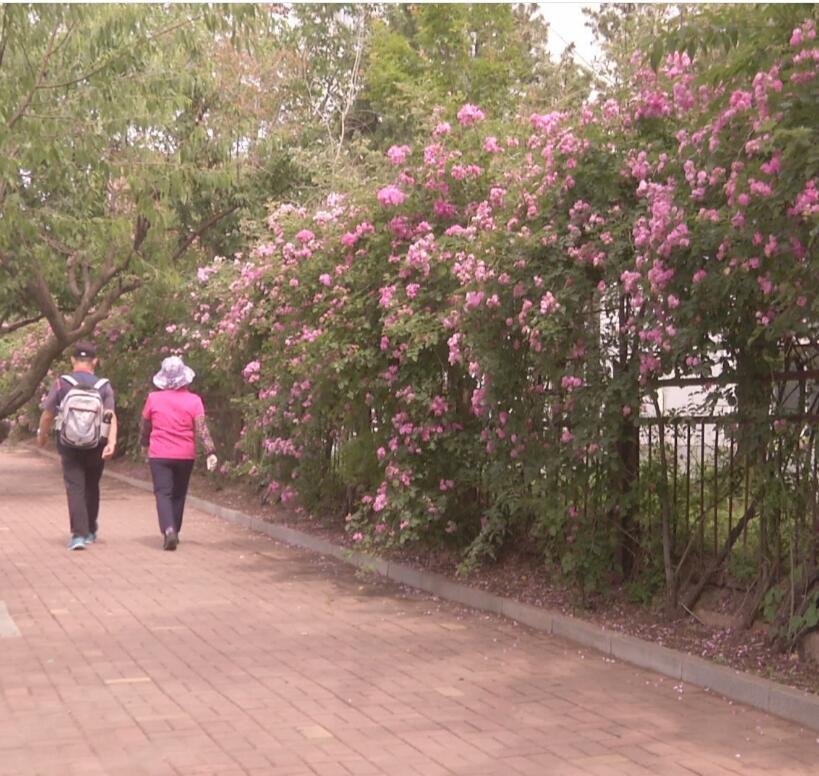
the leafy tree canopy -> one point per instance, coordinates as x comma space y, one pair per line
121, 147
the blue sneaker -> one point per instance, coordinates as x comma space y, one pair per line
91, 538
77, 543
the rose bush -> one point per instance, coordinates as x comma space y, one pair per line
465, 352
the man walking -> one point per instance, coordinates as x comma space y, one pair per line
83, 406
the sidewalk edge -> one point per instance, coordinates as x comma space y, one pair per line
763, 694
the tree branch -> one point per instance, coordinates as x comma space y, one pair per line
71, 255
8, 328
352, 87
92, 287
141, 228
39, 292
4, 35
56, 244
99, 68
20, 112
25, 386
203, 227
73, 287
121, 288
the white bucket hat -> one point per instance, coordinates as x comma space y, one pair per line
173, 374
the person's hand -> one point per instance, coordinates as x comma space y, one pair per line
108, 451
211, 462
145, 453
42, 440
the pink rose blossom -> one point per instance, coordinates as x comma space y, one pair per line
251, 372
439, 406
398, 154
444, 209
469, 114
548, 303
473, 299
391, 195
765, 284
570, 382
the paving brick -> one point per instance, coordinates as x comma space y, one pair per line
239, 654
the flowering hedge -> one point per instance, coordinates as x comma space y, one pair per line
462, 353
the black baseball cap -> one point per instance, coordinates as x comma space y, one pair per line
85, 350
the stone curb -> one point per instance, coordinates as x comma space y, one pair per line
763, 694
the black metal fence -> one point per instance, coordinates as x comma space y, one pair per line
711, 481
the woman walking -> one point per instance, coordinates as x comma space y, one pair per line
172, 418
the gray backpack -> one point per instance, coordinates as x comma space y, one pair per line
80, 416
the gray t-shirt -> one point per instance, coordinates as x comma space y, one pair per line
61, 388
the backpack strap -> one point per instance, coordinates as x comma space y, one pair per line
102, 381
70, 380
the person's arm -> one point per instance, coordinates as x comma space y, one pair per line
44, 427
109, 408
111, 444
205, 438
49, 413
145, 428
203, 433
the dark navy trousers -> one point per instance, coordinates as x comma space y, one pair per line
171, 477
82, 471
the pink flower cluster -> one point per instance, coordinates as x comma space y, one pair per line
470, 114
398, 154
391, 195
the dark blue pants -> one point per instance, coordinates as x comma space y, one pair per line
171, 477
82, 470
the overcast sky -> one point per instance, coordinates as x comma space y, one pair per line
566, 25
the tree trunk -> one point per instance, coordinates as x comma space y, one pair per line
753, 394
736, 532
628, 455
762, 587
25, 387
667, 509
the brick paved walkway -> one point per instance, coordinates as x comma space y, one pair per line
238, 655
